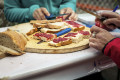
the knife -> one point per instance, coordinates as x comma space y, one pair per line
98, 16
53, 16
94, 14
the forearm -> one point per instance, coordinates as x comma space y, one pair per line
15, 12
112, 49
20, 14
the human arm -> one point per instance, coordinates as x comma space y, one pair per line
106, 43
15, 13
112, 49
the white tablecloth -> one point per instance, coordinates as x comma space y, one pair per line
90, 61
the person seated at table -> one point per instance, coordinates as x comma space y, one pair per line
26, 10
104, 41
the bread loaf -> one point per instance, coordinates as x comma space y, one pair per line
12, 42
5, 50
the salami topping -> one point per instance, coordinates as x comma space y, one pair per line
46, 35
84, 32
74, 24
71, 35
59, 40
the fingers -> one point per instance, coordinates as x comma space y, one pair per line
36, 15
63, 11
102, 37
76, 17
40, 13
111, 27
95, 29
112, 21
72, 15
93, 43
44, 10
109, 14
68, 11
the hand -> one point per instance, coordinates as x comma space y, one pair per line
113, 18
101, 38
39, 14
72, 15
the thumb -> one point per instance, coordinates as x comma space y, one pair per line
62, 11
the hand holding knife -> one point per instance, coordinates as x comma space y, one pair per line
94, 14
101, 18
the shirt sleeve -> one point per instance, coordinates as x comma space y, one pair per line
112, 49
68, 3
15, 13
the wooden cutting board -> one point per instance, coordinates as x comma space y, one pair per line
43, 47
